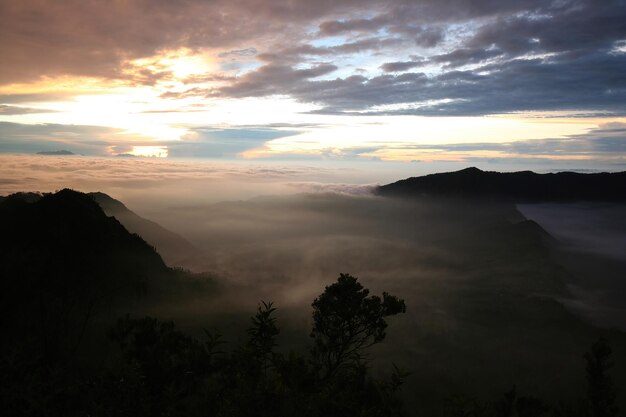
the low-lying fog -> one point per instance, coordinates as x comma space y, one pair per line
592, 246
475, 286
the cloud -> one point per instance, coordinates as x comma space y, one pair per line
480, 56
428, 37
208, 142
402, 66
488, 72
335, 188
95, 39
199, 142
502, 59
297, 54
79, 139
19, 98
239, 52
465, 56
560, 83
142, 183
597, 25
605, 145
273, 79
13, 110
337, 27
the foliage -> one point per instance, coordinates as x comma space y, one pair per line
157, 370
169, 373
600, 401
347, 321
600, 385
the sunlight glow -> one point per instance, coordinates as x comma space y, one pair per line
171, 65
396, 138
150, 151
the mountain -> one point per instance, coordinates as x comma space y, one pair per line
66, 236
67, 271
63, 261
524, 186
172, 247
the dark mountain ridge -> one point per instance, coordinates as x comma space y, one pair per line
174, 249
66, 239
63, 261
519, 187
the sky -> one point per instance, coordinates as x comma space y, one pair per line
534, 83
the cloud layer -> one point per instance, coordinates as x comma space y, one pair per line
428, 57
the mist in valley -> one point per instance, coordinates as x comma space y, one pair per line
591, 245
487, 301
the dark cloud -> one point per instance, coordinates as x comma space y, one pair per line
509, 59
465, 56
594, 82
429, 38
370, 44
337, 27
559, 27
272, 79
239, 52
402, 66
296, 54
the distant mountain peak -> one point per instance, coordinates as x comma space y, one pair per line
522, 186
470, 170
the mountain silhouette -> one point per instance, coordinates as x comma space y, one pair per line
520, 187
64, 242
172, 247
64, 261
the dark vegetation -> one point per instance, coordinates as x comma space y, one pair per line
520, 187
69, 272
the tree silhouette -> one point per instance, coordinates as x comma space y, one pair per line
346, 320
600, 385
263, 332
